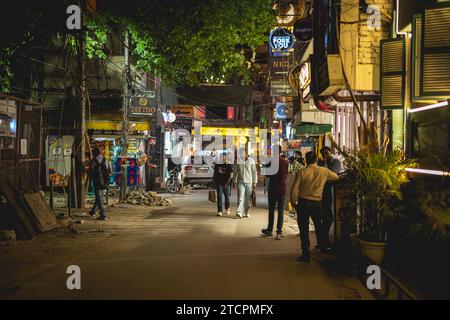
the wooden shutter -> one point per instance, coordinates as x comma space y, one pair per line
416, 57
435, 60
392, 73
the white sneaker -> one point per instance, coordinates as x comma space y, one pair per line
228, 211
238, 216
219, 214
247, 215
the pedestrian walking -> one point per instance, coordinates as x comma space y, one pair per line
245, 177
276, 193
327, 198
307, 198
298, 162
223, 173
99, 174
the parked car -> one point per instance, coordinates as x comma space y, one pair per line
197, 173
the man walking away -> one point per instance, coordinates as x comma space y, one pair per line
277, 196
327, 198
245, 176
307, 190
223, 173
99, 177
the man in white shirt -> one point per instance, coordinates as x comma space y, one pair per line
245, 177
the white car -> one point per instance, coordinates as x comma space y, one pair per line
197, 173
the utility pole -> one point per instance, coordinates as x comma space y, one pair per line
125, 122
79, 175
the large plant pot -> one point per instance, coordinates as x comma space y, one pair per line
356, 250
373, 250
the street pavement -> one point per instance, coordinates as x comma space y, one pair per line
187, 252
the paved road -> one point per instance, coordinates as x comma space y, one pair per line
186, 252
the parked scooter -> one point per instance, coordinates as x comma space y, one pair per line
174, 181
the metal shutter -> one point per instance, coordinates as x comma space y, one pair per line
435, 60
392, 73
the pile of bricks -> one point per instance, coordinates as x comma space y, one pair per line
147, 199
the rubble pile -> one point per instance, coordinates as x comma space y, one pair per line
147, 199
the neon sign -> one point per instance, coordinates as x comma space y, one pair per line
281, 40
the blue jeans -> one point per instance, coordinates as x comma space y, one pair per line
226, 191
244, 197
273, 200
98, 203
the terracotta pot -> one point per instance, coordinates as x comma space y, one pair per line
373, 250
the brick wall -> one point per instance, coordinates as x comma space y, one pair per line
369, 38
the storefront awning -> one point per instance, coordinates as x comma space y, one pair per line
313, 129
211, 96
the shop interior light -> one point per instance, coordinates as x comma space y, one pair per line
429, 107
426, 171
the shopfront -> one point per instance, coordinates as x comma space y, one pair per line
107, 136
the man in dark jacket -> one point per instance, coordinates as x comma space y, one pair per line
223, 173
334, 165
99, 176
276, 196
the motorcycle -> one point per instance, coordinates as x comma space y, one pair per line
174, 181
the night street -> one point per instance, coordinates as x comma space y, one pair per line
183, 252
212, 150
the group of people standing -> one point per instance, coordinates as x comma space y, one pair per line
310, 194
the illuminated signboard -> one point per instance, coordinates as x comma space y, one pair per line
215, 131
305, 80
281, 40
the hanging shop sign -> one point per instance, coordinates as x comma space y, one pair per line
320, 80
144, 104
181, 123
281, 40
286, 13
169, 117
183, 111
305, 80
303, 30
281, 110
295, 144
281, 88
278, 67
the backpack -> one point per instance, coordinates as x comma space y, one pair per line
102, 172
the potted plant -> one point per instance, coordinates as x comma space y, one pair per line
376, 177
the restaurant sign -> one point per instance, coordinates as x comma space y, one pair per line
278, 67
281, 40
281, 88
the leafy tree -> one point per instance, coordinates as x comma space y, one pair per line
182, 41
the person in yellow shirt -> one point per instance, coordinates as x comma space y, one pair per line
306, 197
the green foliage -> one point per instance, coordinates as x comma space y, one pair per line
376, 177
199, 41
182, 41
435, 206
